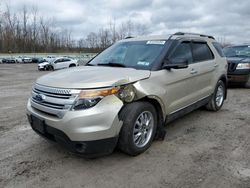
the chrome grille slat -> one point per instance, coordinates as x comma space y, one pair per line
52, 100
53, 90
48, 105
55, 100
50, 94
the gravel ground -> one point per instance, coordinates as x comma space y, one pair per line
201, 149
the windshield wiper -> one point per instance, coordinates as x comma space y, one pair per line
112, 64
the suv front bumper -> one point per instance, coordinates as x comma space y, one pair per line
239, 76
91, 131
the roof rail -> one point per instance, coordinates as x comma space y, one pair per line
195, 34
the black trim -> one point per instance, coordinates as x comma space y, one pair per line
91, 149
188, 109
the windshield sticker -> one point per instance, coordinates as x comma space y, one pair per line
143, 63
160, 42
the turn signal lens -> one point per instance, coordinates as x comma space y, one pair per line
98, 93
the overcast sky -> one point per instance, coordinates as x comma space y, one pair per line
225, 19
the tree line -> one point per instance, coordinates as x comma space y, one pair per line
26, 31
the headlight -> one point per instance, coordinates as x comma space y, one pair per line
89, 98
82, 104
243, 66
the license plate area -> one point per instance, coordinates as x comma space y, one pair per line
37, 124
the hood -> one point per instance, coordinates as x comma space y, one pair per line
92, 77
44, 63
238, 59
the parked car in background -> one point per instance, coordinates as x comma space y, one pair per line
27, 60
38, 60
19, 59
43, 66
3, 60
238, 58
8, 60
49, 58
63, 62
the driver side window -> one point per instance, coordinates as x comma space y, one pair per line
183, 51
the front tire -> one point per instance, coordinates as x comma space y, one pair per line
50, 68
139, 127
247, 84
218, 97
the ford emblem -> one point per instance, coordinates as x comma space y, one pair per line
40, 97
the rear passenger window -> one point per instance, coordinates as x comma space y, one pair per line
201, 51
65, 60
183, 51
218, 48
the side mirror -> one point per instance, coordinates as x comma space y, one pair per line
178, 63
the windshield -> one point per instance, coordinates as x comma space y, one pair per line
135, 54
237, 51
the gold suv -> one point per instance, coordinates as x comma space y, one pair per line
126, 94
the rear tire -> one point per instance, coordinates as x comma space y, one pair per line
139, 127
72, 65
218, 97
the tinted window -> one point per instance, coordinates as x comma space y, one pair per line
183, 51
218, 48
66, 60
58, 61
201, 52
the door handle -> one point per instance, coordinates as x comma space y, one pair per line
193, 71
215, 65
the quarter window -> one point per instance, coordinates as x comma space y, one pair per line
66, 60
201, 52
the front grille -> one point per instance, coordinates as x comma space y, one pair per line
232, 66
53, 101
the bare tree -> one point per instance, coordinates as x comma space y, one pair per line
104, 38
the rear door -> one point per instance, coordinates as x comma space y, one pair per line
204, 58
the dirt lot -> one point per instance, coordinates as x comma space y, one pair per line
202, 149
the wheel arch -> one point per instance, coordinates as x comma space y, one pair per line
161, 115
72, 65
